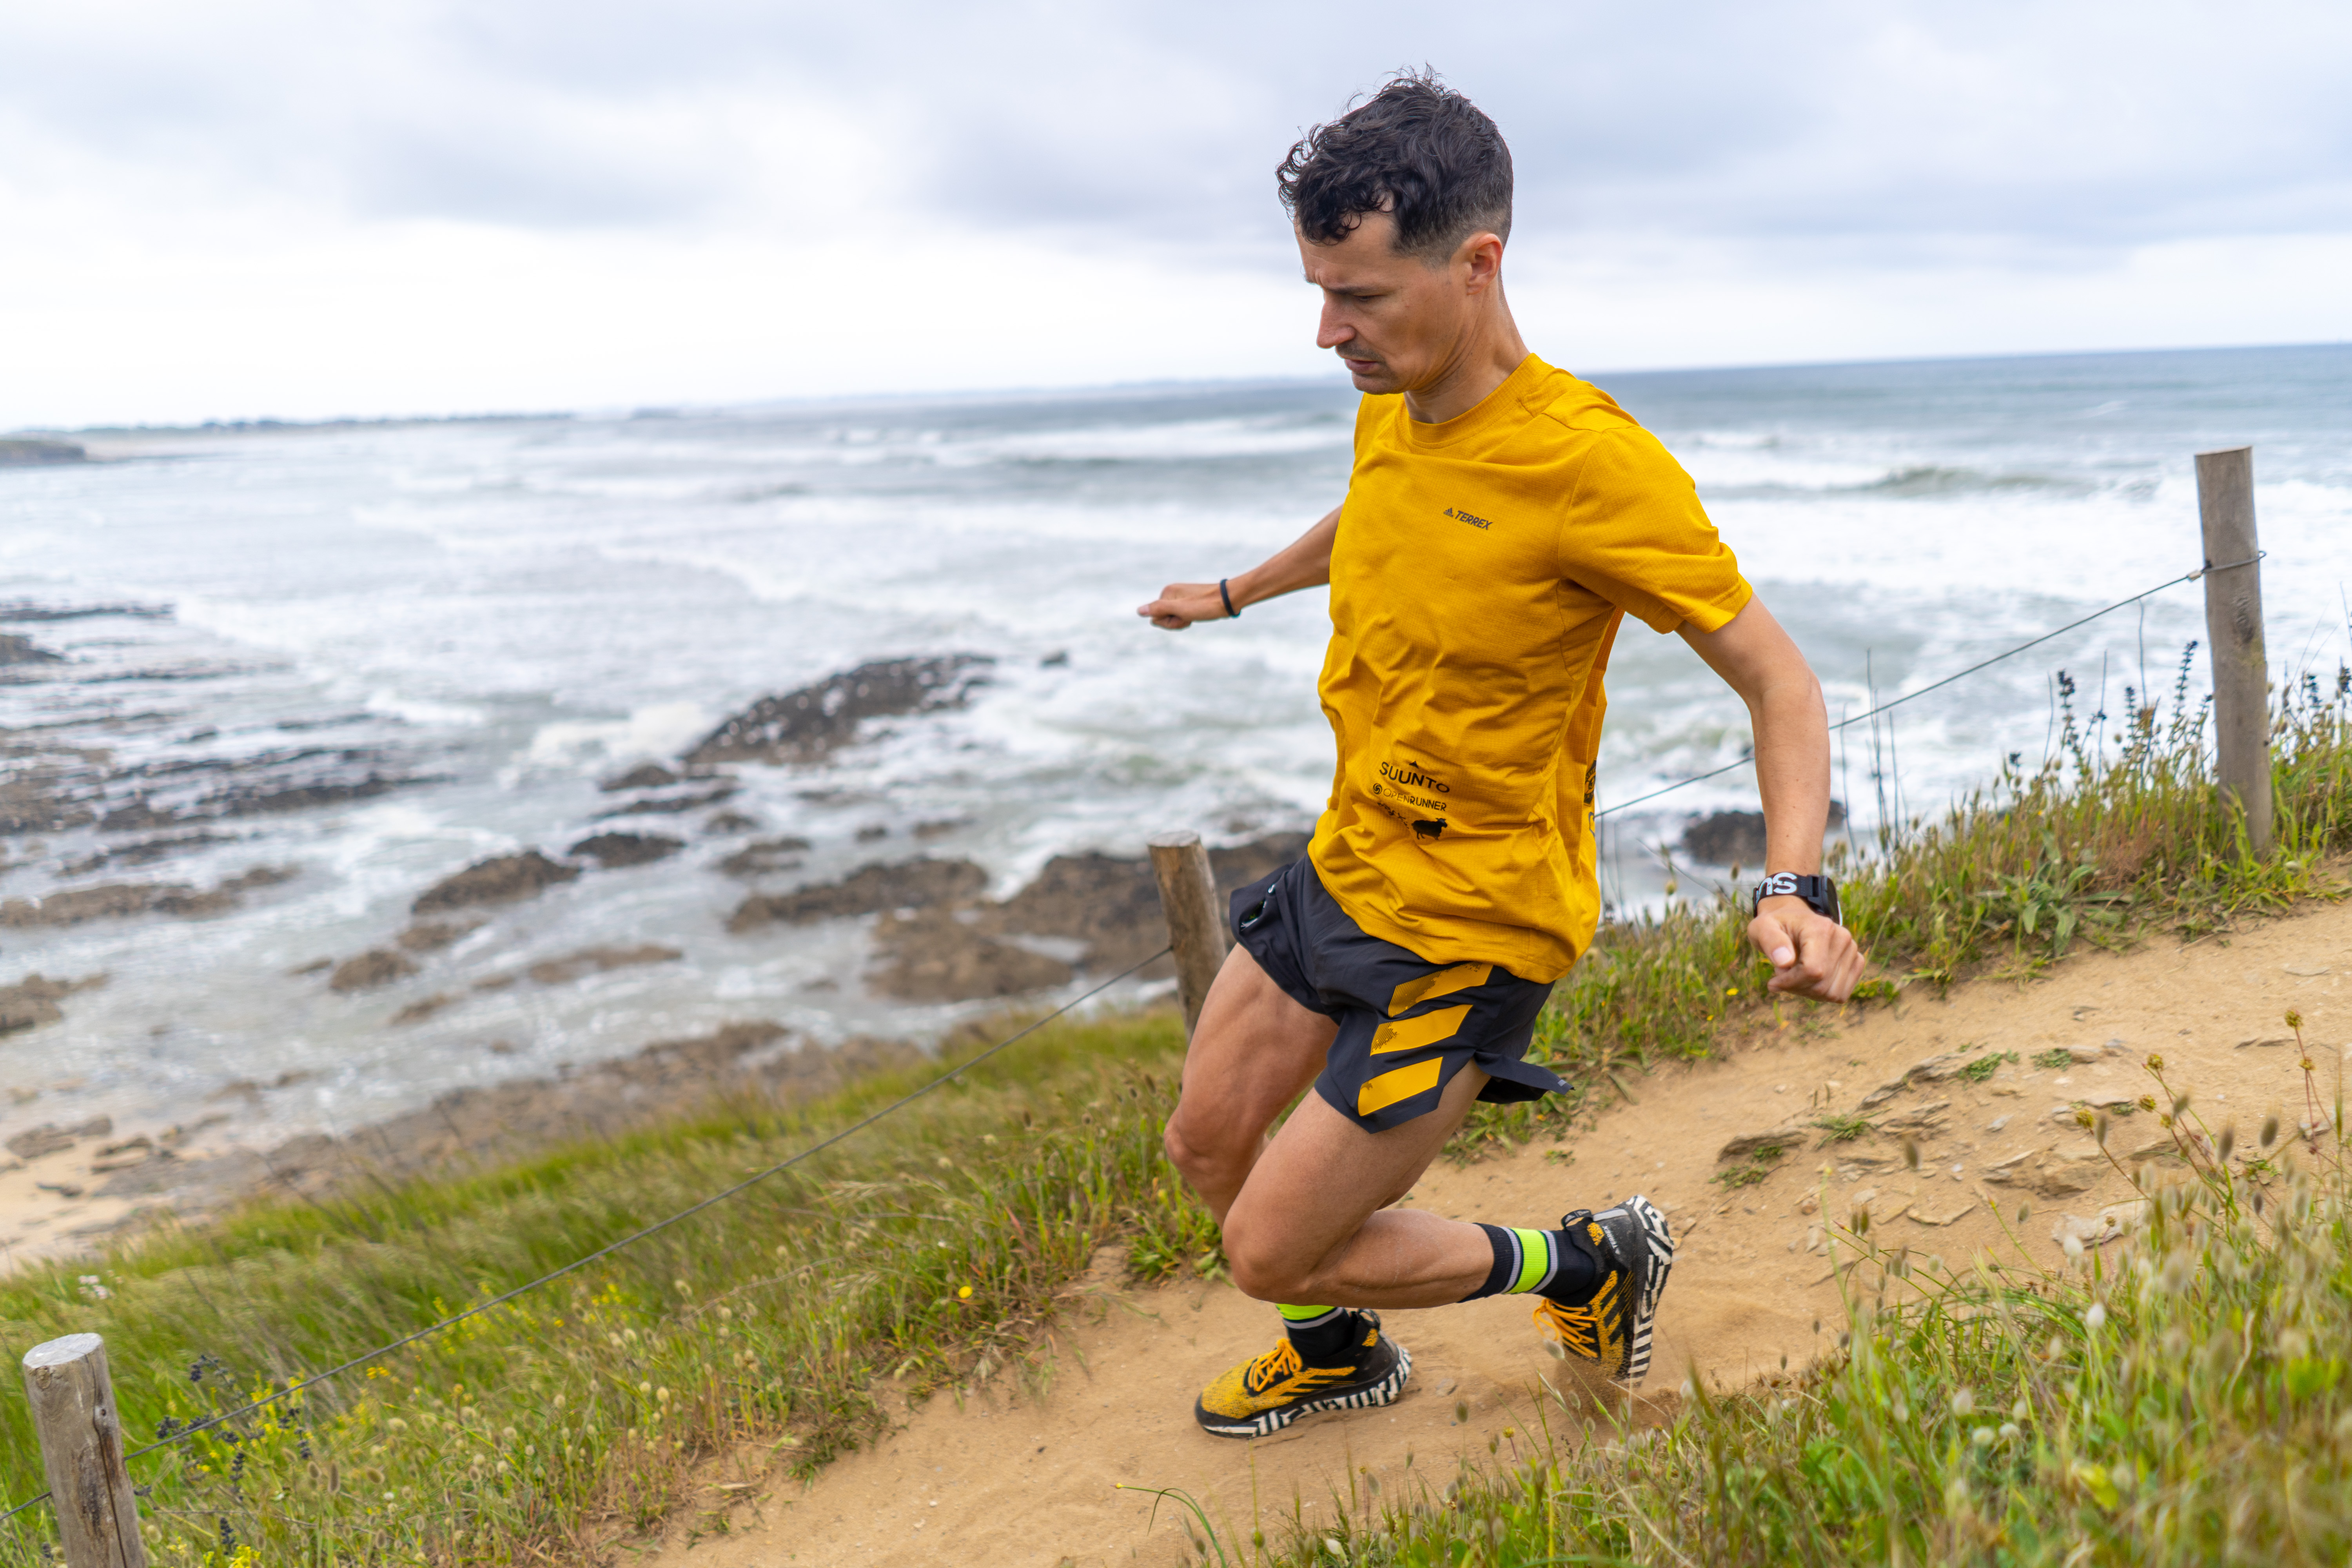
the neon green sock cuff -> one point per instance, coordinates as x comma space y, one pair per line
1300, 1314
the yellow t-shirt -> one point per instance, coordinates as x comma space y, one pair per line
1481, 568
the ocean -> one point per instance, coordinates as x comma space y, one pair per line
370, 654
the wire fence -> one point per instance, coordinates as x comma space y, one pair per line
1956, 675
296, 1386
299, 1385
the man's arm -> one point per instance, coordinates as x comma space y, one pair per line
1813, 954
1304, 562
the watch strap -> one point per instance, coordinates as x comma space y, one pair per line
1819, 893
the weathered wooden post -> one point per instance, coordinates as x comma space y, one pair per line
2234, 632
1196, 925
81, 1448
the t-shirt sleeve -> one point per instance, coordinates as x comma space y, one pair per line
1635, 535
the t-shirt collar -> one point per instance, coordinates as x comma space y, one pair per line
1495, 408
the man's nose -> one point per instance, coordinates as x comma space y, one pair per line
1334, 329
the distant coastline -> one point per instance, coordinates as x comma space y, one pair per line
21, 452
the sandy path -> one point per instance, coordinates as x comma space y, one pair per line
1006, 1479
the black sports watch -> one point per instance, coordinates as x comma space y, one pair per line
1819, 893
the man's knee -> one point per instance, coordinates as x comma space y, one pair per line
1261, 1270
1201, 1149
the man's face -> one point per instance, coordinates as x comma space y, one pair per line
1395, 321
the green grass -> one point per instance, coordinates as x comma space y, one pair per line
2181, 1397
925, 1252
1984, 1066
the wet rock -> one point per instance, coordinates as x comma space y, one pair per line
1736, 837
645, 775
596, 960
24, 610
377, 966
671, 806
33, 1000
418, 1011
17, 649
144, 852
50, 1139
19, 451
806, 725
729, 822
872, 831
926, 831
432, 936
316, 966
901, 885
767, 855
1113, 902
612, 850
502, 880
932, 956
76, 905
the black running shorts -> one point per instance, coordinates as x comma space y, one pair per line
1406, 1024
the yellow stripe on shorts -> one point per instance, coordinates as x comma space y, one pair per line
1440, 983
1403, 1083
1412, 1034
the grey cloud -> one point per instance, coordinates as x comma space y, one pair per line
2007, 126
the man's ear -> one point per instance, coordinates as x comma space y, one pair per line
1479, 260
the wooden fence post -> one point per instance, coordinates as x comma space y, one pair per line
2234, 632
1196, 923
81, 1448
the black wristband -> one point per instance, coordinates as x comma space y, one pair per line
1231, 613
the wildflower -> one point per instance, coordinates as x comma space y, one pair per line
964, 1294
2074, 1248
1964, 1403
2096, 1318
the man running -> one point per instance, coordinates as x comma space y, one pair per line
1501, 520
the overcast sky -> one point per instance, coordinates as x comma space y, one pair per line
246, 208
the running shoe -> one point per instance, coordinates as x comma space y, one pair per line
1260, 1398
1635, 1251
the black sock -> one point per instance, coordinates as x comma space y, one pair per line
1563, 1266
1327, 1338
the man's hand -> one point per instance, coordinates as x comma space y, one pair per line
1812, 954
1182, 604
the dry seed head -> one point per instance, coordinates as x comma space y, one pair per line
1911, 1152
2293, 1019
2147, 1102
2270, 1131
2099, 1129
2155, 1062
2229, 1140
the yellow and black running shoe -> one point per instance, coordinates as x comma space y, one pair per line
1634, 1250
1262, 1396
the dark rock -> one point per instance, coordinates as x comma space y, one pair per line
730, 822
1736, 837
16, 649
144, 852
594, 960
901, 885
22, 611
932, 956
432, 936
74, 905
377, 966
872, 831
926, 831
645, 775
49, 1139
20, 452
615, 850
33, 1000
316, 966
805, 726
765, 856
1113, 902
418, 1011
670, 806
502, 880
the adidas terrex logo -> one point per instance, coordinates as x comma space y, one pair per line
1458, 515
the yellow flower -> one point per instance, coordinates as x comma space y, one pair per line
964, 1294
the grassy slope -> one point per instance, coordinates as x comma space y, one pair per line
929, 1250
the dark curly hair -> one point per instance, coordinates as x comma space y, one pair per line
1417, 149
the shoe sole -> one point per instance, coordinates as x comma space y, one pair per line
1266, 1423
1657, 1241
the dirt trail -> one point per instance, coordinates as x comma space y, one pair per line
1005, 1479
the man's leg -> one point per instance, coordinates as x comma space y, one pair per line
1254, 1051
1312, 1221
